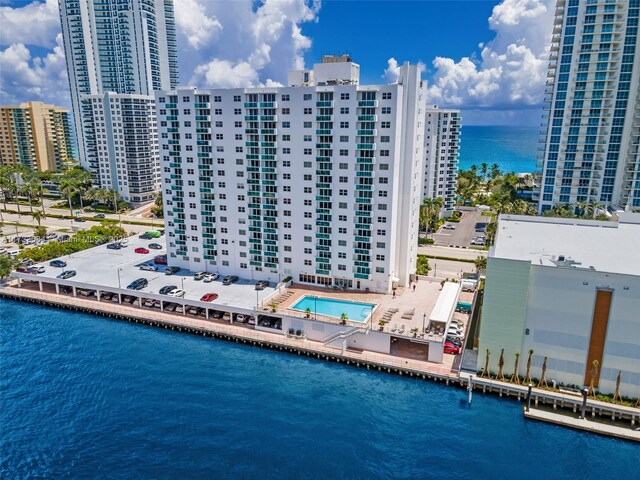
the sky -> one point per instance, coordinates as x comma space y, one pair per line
487, 58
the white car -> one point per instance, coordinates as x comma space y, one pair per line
199, 275
148, 267
210, 277
456, 332
176, 293
226, 317
448, 226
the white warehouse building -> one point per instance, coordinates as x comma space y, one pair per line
568, 289
319, 181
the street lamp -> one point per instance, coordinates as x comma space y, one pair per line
315, 307
119, 285
424, 319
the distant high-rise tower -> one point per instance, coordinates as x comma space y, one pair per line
590, 151
37, 136
126, 47
441, 149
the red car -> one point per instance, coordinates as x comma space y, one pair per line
141, 250
209, 297
451, 348
160, 260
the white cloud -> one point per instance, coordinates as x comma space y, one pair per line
512, 69
33, 24
392, 71
194, 23
254, 46
25, 77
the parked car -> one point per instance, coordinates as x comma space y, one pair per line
194, 310
169, 307
167, 288
240, 318
51, 236
216, 314
38, 269
141, 250
450, 348
63, 238
448, 226
145, 236
454, 340
113, 246
171, 270
226, 317
199, 275
155, 246
148, 302
176, 292
67, 274
106, 296
209, 297
148, 267
99, 215
138, 284
22, 270
124, 243
58, 263
251, 321
262, 284
210, 277
160, 260
79, 220
229, 279
453, 332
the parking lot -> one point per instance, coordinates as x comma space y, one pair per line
468, 227
115, 269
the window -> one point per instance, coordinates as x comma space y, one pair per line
308, 151
382, 219
386, 95
286, 111
382, 193
308, 124
342, 230
344, 166
343, 193
344, 153
307, 96
237, 98
380, 258
344, 110
237, 111
384, 139
384, 180
308, 110
235, 124
344, 96
386, 110
217, 98
218, 111
285, 97
384, 153
342, 255
386, 124
344, 179
344, 124
344, 138
381, 232
379, 269
380, 245
384, 166
342, 205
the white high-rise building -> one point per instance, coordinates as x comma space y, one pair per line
127, 146
441, 150
319, 181
124, 47
590, 150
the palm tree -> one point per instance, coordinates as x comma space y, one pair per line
485, 372
429, 212
43, 177
543, 380
344, 318
527, 376
68, 186
594, 373
484, 168
480, 263
38, 216
501, 366
515, 378
31, 187
5, 183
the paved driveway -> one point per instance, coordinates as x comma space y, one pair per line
464, 232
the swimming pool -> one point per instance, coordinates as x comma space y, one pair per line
331, 307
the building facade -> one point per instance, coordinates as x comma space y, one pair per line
570, 291
37, 136
590, 144
319, 181
125, 47
441, 149
120, 131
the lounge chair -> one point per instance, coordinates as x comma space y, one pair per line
394, 328
401, 329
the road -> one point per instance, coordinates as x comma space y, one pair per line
449, 268
137, 216
450, 252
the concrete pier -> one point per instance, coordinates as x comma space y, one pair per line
584, 424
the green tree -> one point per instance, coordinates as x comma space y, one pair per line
40, 231
422, 265
484, 168
430, 212
480, 263
38, 216
5, 266
157, 206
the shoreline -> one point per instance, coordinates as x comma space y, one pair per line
420, 370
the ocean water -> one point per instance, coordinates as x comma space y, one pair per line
86, 397
514, 149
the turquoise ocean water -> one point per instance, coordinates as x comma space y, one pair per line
512, 148
86, 397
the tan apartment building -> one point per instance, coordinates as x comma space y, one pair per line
36, 135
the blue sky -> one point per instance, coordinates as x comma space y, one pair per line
485, 57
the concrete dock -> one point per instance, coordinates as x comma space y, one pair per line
585, 424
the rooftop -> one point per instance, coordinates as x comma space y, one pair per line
589, 244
